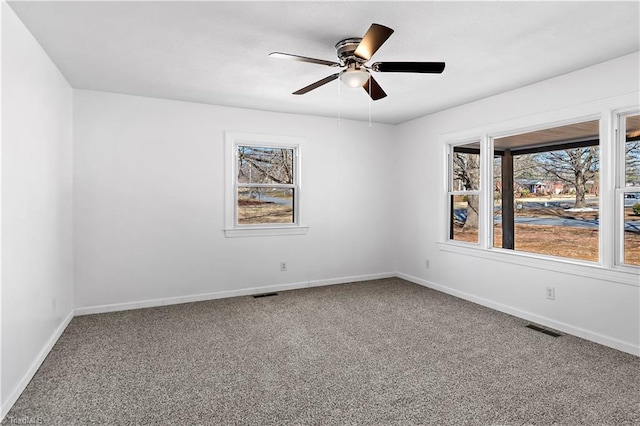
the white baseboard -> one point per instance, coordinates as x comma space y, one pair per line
150, 303
547, 322
35, 365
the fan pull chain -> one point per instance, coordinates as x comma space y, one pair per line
370, 101
339, 104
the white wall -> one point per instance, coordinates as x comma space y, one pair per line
599, 309
148, 203
36, 177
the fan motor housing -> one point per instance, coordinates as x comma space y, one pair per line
345, 49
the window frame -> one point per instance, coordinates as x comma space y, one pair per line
450, 192
619, 120
605, 110
232, 228
534, 128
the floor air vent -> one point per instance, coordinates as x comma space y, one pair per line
255, 296
542, 330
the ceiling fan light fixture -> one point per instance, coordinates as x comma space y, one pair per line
353, 54
354, 77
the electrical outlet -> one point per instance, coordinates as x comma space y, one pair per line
551, 293
427, 264
283, 266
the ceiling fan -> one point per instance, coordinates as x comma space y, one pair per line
353, 54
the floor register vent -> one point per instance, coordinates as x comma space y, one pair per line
543, 330
255, 296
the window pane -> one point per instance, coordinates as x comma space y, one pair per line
632, 151
464, 218
497, 201
466, 167
546, 195
632, 228
265, 165
549, 236
265, 205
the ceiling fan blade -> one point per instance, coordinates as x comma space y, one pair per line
374, 38
316, 84
422, 67
376, 91
303, 59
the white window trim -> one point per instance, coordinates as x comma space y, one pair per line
619, 132
449, 191
231, 227
607, 111
627, 276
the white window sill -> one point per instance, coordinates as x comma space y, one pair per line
621, 275
270, 231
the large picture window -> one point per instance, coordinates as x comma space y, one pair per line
546, 191
558, 191
263, 188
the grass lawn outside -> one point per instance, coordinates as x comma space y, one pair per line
556, 240
255, 212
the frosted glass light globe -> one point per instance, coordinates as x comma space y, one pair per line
354, 77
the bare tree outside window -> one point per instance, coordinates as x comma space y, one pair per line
265, 165
631, 196
464, 192
632, 162
265, 185
466, 177
575, 167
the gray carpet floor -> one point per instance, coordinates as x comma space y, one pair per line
383, 352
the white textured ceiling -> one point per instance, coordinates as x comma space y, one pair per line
216, 52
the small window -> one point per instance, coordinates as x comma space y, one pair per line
263, 186
546, 191
464, 192
631, 191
